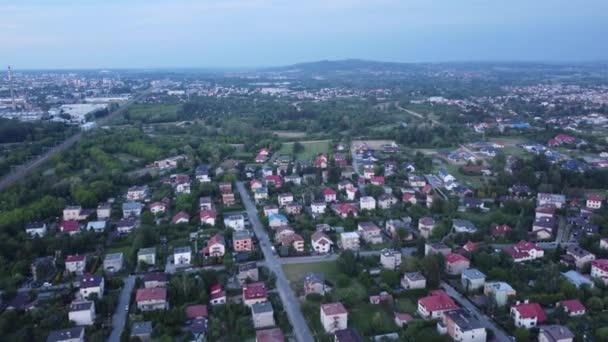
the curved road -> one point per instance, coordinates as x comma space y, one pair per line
291, 304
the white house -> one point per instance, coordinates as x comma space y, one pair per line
472, 279
413, 281
91, 284
527, 315
321, 243
82, 312
36, 228
334, 317
235, 221
182, 255
75, 263
367, 203
463, 326
390, 259
349, 241
318, 207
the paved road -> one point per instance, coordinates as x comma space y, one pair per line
291, 305
418, 115
120, 316
499, 334
406, 251
25, 169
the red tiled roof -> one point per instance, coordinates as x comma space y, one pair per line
196, 311
602, 264
439, 300
454, 258
217, 291
328, 192
207, 214
156, 293
595, 197
469, 246
179, 216
531, 310
69, 226
331, 309
501, 230
254, 290
573, 305
74, 258
269, 335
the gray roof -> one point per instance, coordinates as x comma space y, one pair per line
81, 306
132, 206
183, 249
473, 273
241, 234
146, 251
247, 266
465, 320
65, 334
141, 328
415, 276
114, 256
261, 307
556, 332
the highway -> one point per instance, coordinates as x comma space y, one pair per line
27, 168
291, 304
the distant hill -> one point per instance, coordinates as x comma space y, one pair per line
342, 66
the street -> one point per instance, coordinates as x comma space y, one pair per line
291, 304
499, 334
120, 316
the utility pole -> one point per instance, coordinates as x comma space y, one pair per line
10, 81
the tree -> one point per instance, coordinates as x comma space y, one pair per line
522, 335
297, 147
347, 263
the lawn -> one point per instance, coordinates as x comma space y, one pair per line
473, 181
296, 272
150, 113
311, 149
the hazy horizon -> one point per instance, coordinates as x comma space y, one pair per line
246, 34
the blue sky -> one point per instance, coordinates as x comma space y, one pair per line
249, 33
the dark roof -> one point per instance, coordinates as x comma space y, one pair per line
261, 307
155, 276
141, 328
65, 334
463, 319
347, 335
248, 266
81, 306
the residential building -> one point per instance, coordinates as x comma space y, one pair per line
321, 243
463, 326
147, 255
126, 225
347, 335
141, 330
367, 203
182, 256
198, 311
550, 199
235, 221
248, 272
82, 312
333, 317
599, 270
525, 251
284, 199
76, 334
155, 279
435, 305
72, 213
456, 263
269, 335
370, 232
113, 262
580, 256
137, 193
277, 220
262, 315
96, 226
436, 248
254, 293
349, 241
463, 226
293, 240
242, 241
131, 209
555, 333
527, 315
75, 264
573, 307
36, 228
152, 299
217, 295
426, 226
181, 217
594, 201
499, 291
318, 208
315, 283
413, 281
472, 279
91, 284
390, 259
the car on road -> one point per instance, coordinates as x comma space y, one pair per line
47, 284
127, 308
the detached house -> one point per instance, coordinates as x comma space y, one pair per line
216, 247
386, 201
349, 241
426, 226
254, 293
329, 195
217, 295
181, 217
499, 291
456, 263
527, 315
70, 227
262, 315
315, 283
91, 284
82, 312
157, 208
284, 199
413, 281
208, 217
463, 326
104, 211
435, 305
524, 251
241, 241
318, 208
370, 232
152, 299
235, 221
367, 203
131, 209
579, 256
75, 264
321, 243
594, 201
599, 270
334, 317
390, 259
36, 228
573, 307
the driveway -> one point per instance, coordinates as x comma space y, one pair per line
120, 316
291, 305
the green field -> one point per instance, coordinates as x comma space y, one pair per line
311, 149
296, 272
149, 113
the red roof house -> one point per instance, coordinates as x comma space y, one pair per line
70, 227
254, 293
196, 311
573, 307
436, 304
181, 217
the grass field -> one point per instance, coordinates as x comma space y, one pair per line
153, 112
296, 272
311, 149
475, 182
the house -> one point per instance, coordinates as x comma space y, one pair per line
82, 312
260, 194
463, 326
147, 255
275, 180
393, 227
402, 319
386, 201
604, 243
377, 180
131, 209
594, 201
262, 315
318, 207
435, 305
368, 171
113, 262
390, 259
456, 263
295, 179
216, 247
472, 279
500, 230
293, 240
126, 225
413, 281
499, 291
369, 232
182, 256
270, 209
70, 227
315, 283
445, 176
157, 208
573, 307
141, 330
181, 217
217, 295
409, 197
137, 193
351, 193
205, 203
254, 293
76, 334
347, 335
367, 203
277, 220
463, 226
381, 298
329, 195
168, 163
321, 161
599, 270
234, 221
208, 217
345, 209
524, 251
527, 315
282, 232
228, 199
349, 241
269, 335
155, 279
426, 226
320, 242
248, 272
284, 199
556, 200
333, 317
75, 264
202, 173
293, 208
416, 181
470, 246
198, 311
436, 248
580, 256
182, 184
96, 226
72, 213
555, 333
91, 284
152, 299
241, 241
36, 228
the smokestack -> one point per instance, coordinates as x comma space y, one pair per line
10, 81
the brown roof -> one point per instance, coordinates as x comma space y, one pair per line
331, 309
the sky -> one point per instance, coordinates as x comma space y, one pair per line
256, 33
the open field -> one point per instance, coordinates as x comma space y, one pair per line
375, 144
296, 272
290, 134
311, 149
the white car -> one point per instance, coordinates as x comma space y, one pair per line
47, 284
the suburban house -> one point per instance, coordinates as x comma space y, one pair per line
36, 228
113, 262
141, 330
594, 201
91, 284
472, 279
277, 220
75, 263
254, 293
599, 270
463, 226
269, 335
499, 291
390, 259
197, 311
556, 200
413, 281
228, 198
555, 333
147, 255
527, 315
573, 307
182, 256
456, 263
137, 193
333, 317
367, 203
262, 315
351, 193
293, 208
72, 213
579, 256
181, 217
329, 195
126, 225
155, 279
320, 242
235, 221
96, 226
315, 283
260, 194
157, 207
248, 272
525, 251
70, 227
318, 207
436, 248
463, 326
284, 199
293, 240
241, 241
152, 299
345, 209
349, 241
202, 173
370, 232
435, 305
282, 232
82, 312
217, 295
205, 203
270, 209
426, 226
131, 209
386, 201
76, 334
